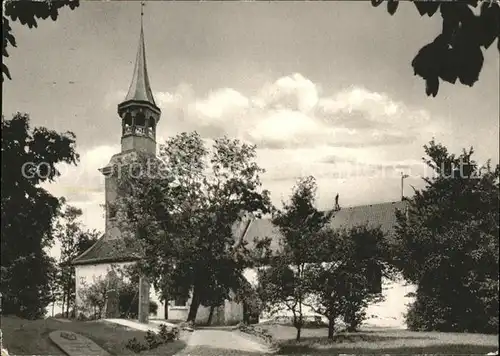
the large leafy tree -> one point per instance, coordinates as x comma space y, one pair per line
353, 262
181, 212
74, 240
285, 283
27, 12
457, 52
29, 158
448, 244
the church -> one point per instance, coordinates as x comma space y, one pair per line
139, 116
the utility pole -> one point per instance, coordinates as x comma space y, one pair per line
403, 177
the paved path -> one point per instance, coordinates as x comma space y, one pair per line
154, 325
204, 341
221, 341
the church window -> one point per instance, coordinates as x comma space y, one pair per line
127, 124
151, 126
140, 120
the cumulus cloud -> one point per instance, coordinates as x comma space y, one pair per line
291, 112
355, 142
84, 182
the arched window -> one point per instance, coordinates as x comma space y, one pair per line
127, 124
140, 120
140, 124
151, 126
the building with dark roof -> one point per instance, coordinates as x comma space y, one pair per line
374, 215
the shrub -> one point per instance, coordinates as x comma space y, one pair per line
354, 314
136, 346
168, 335
153, 340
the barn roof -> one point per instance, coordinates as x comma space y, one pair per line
381, 215
112, 250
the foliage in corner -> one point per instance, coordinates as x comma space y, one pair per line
457, 52
27, 12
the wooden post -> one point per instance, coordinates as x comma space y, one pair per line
143, 300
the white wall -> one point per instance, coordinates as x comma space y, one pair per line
387, 313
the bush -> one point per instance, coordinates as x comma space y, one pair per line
136, 346
355, 314
153, 340
168, 335
431, 311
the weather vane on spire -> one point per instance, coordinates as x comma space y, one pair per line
142, 8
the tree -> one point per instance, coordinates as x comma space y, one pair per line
456, 53
29, 158
74, 241
181, 212
95, 296
285, 283
341, 284
448, 244
27, 12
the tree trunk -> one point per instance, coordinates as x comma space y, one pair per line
63, 302
298, 325
246, 316
210, 315
299, 329
331, 328
193, 308
68, 301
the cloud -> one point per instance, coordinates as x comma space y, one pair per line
355, 142
84, 182
291, 112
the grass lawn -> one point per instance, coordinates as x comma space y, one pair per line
381, 341
30, 337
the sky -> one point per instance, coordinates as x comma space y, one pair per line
322, 88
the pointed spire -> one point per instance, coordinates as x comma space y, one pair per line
140, 89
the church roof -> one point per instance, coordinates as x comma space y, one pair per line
106, 250
381, 215
140, 89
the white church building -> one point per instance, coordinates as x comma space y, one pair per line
139, 118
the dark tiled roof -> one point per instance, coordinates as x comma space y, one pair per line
106, 250
375, 215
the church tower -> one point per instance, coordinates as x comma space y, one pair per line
138, 112
139, 116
